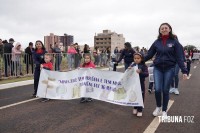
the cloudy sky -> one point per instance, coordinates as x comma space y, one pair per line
138, 20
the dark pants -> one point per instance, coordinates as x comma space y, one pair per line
140, 108
58, 62
115, 67
175, 80
188, 71
36, 78
151, 85
162, 79
7, 63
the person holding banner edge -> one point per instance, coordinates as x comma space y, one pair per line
48, 66
87, 64
38, 58
168, 51
143, 73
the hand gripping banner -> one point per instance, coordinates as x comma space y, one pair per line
109, 86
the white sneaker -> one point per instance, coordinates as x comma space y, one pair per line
176, 91
171, 90
164, 115
139, 114
157, 111
134, 111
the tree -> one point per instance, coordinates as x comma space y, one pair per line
189, 47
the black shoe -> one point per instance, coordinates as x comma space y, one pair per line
89, 99
149, 90
45, 100
83, 100
34, 95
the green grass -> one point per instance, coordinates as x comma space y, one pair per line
11, 80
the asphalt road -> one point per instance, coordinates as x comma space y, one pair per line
57, 116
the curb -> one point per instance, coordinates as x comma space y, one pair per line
15, 84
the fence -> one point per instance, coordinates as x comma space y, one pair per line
13, 65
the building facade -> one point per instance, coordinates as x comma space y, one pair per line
64, 41
109, 39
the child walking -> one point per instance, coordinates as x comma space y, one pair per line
87, 64
143, 73
48, 66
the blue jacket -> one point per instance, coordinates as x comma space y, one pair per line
127, 55
167, 55
38, 58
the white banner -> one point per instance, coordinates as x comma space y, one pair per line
109, 86
196, 56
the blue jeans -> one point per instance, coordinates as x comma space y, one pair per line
70, 60
162, 79
175, 80
126, 65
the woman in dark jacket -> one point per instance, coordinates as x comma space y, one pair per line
168, 51
38, 58
127, 54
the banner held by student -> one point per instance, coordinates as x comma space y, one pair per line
114, 87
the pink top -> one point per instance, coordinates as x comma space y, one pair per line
71, 51
88, 65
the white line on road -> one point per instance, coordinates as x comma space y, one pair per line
155, 123
14, 104
195, 67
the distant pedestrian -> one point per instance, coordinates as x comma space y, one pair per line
188, 62
28, 58
16, 59
7, 56
48, 66
108, 53
58, 56
71, 57
96, 54
1, 57
1, 48
78, 55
